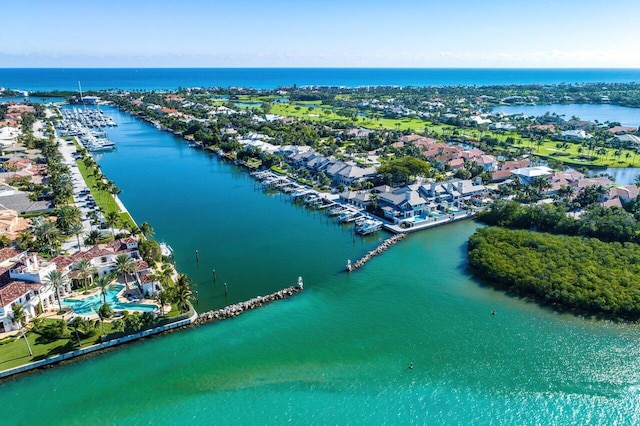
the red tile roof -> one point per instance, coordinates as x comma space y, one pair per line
14, 290
9, 253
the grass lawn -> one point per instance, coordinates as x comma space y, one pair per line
15, 353
547, 149
104, 199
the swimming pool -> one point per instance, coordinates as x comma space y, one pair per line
91, 304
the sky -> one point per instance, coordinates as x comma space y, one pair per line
328, 33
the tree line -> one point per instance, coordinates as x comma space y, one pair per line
604, 223
583, 275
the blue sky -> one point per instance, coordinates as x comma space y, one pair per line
304, 33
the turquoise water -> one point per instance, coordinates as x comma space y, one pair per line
337, 353
133, 306
91, 304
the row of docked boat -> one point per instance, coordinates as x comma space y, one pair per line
364, 223
92, 117
84, 125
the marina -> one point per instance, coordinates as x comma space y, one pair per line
87, 126
364, 223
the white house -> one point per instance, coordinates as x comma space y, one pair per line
526, 175
575, 135
17, 292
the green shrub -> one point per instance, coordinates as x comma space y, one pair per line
52, 330
133, 322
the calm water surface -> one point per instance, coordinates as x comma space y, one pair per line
338, 352
601, 112
270, 78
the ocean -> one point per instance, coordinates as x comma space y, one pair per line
46, 79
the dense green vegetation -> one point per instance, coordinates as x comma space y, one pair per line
322, 118
401, 170
570, 273
606, 224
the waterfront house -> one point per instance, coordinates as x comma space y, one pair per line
103, 256
18, 292
618, 130
299, 158
624, 194
346, 173
15, 266
31, 268
360, 199
400, 203
626, 140
454, 193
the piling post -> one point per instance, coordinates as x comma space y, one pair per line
225, 289
213, 273
197, 258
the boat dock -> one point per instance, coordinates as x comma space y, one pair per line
345, 213
87, 126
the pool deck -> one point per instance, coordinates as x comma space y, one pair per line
69, 313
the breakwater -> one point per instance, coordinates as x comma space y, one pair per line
239, 308
378, 250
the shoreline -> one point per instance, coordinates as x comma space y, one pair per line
229, 311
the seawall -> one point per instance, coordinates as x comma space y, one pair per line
97, 347
389, 242
239, 308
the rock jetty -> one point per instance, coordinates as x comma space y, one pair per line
378, 250
239, 308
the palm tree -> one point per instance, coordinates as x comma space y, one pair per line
132, 228
566, 191
113, 189
20, 316
76, 228
56, 280
85, 269
66, 216
93, 217
165, 274
125, 266
161, 298
24, 240
92, 238
112, 218
182, 294
48, 231
103, 282
147, 230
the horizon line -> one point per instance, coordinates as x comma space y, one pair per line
329, 67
